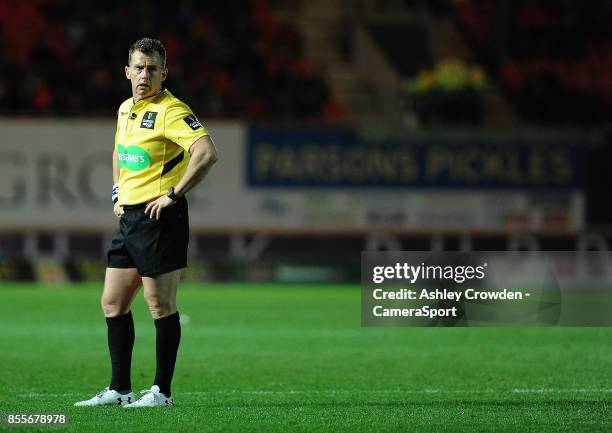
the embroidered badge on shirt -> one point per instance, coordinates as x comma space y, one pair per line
148, 120
193, 122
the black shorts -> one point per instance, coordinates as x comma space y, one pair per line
152, 246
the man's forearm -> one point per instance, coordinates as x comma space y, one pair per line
198, 167
115, 166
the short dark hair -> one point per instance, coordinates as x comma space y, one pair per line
148, 46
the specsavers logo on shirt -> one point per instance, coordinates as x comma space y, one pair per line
133, 158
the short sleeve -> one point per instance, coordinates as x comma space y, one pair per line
182, 126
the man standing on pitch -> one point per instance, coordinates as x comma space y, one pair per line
161, 152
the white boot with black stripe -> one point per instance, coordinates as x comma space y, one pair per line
152, 398
108, 397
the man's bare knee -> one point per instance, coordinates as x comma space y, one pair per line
160, 308
120, 287
109, 309
160, 293
116, 303
113, 307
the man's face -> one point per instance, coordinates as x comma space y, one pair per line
146, 74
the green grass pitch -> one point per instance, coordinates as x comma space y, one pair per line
293, 358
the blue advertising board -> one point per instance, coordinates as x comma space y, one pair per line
330, 157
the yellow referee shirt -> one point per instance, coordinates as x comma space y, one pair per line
152, 140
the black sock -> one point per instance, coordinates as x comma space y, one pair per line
168, 331
120, 345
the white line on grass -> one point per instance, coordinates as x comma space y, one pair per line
561, 391
364, 391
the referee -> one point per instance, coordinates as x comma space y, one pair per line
161, 152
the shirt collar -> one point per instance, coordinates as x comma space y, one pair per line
148, 98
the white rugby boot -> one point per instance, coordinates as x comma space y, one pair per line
152, 398
108, 397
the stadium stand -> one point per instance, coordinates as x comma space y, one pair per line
554, 59
230, 59
441, 87
290, 189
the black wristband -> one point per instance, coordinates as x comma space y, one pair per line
171, 195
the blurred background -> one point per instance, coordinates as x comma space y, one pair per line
342, 126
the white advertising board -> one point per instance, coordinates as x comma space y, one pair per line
56, 175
